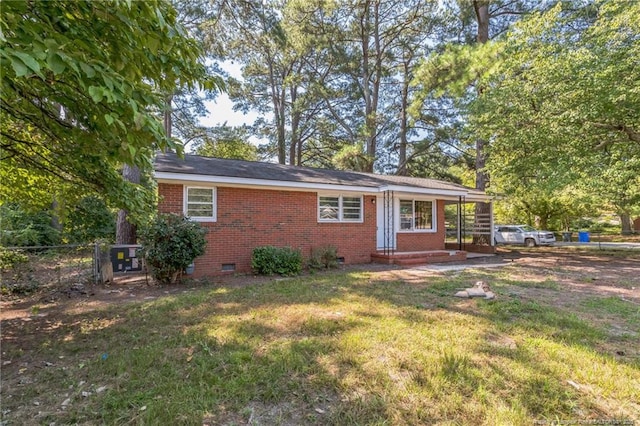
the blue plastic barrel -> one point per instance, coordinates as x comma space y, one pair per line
583, 236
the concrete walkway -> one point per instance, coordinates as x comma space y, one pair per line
475, 260
445, 268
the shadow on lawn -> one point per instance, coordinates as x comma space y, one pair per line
509, 312
274, 353
545, 329
197, 358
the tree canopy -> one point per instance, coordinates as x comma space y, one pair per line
551, 92
562, 107
558, 105
83, 86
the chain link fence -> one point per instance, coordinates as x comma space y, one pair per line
63, 267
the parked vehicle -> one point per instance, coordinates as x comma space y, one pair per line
523, 235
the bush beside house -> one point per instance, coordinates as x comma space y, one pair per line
170, 245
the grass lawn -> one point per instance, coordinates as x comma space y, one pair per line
341, 348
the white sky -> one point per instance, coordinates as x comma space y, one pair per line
221, 110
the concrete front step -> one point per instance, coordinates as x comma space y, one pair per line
424, 260
419, 258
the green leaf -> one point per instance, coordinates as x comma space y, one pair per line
19, 67
51, 44
66, 39
160, 18
29, 61
88, 69
153, 44
96, 93
108, 81
39, 50
55, 63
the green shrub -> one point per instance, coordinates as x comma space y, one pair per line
89, 220
170, 244
16, 273
23, 228
10, 259
325, 257
269, 260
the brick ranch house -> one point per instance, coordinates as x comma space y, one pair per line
367, 217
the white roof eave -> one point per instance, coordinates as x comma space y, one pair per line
423, 191
185, 178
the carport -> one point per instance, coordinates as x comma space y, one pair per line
469, 223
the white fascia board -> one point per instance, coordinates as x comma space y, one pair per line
443, 194
183, 178
478, 198
410, 190
190, 179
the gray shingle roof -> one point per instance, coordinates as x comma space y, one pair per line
196, 165
193, 164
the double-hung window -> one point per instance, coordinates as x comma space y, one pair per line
416, 215
200, 203
339, 208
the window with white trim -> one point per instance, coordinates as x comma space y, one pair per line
200, 203
339, 208
416, 215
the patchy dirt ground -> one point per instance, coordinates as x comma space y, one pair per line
602, 273
561, 277
579, 274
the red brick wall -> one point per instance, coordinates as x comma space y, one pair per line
170, 198
420, 241
248, 218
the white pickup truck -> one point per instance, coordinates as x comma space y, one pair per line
523, 235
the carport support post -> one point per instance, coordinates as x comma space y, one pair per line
459, 231
493, 238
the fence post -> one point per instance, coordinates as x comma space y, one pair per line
96, 262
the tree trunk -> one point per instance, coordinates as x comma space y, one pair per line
278, 96
482, 210
482, 16
55, 219
106, 267
366, 89
543, 223
295, 124
126, 232
404, 119
482, 178
168, 122
625, 222
282, 134
371, 77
